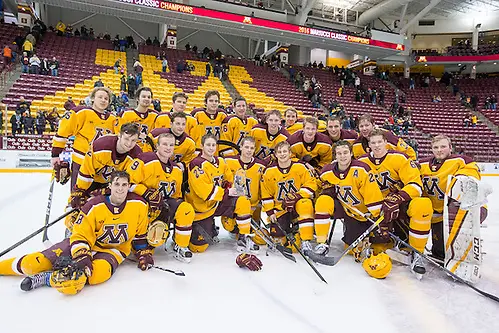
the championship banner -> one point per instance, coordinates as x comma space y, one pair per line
171, 37
283, 54
369, 68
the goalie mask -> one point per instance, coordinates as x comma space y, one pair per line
157, 233
68, 280
378, 266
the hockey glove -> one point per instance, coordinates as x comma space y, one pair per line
226, 184
290, 201
145, 259
249, 261
83, 260
101, 191
390, 207
328, 189
62, 172
78, 198
154, 198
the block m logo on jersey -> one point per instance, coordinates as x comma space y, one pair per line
346, 195
285, 187
168, 188
385, 182
264, 152
215, 130
114, 234
430, 186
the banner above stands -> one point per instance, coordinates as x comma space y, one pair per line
198, 11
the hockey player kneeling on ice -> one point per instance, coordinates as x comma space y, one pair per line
405, 212
287, 191
212, 194
107, 229
345, 183
452, 182
158, 180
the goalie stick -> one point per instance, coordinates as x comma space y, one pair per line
286, 252
292, 241
25, 239
45, 239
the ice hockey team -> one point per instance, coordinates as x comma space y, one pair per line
140, 176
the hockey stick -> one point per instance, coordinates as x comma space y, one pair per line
330, 236
176, 272
46, 242
292, 241
36, 232
331, 261
230, 144
286, 252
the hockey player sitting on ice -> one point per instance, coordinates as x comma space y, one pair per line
366, 126
311, 148
107, 153
292, 124
287, 191
107, 229
164, 119
142, 114
336, 133
85, 124
236, 127
253, 171
209, 118
158, 180
269, 135
214, 193
185, 147
405, 212
345, 183
452, 184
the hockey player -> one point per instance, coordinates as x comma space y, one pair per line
107, 229
153, 172
269, 135
185, 147
142, 115
85, 124
287, 191
179, 100
236, 127
212, 193
345, 183
404, 210
361, 145
450, 175
336, 133
312, 148
292, 124
210, 118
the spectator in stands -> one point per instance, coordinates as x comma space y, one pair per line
156, 104
40, 122
466, 121
22, 106
131, 85
69, 31
357, 82
123, 82
16, 120
314, 64
474, 102
340, 91
28, 47
117, 66
138, 68
148, 41
29, 124
7, 55
1, 122
218, 54
412, 83
426, 82
195, 49
77, 33
156, 42
437, 99
34, 64
474, 120
98, 83
44, 66
69, 104
187, 47
53, 119
122, 102
54, 67
164, 64
321, 65
493, 102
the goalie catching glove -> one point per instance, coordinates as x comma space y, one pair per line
62, 172
250, 261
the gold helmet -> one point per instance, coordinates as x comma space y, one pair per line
378, 266
68, 280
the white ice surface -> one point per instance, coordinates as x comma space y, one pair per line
217, 296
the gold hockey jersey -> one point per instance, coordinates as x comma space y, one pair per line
208, 123
163, 121
395, 172
185, 147
356, 187
146, 121
320, 149
254, 173
102, 159
361, 146
233, 130
265, 142
86, 125
104, 227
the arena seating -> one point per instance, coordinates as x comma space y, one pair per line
8, 32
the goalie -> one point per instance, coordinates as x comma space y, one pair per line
452, 184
